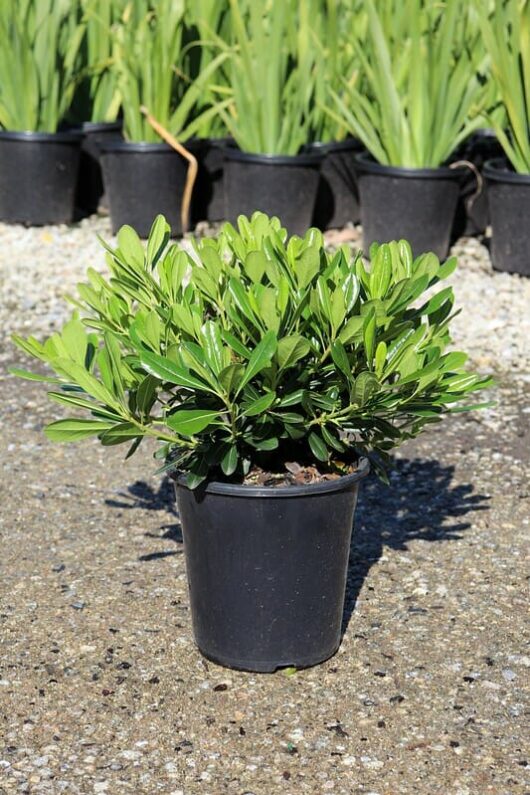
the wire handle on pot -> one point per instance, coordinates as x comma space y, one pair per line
470, 201
191, 176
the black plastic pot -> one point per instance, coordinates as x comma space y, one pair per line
267, 569
415, 204
141, 181
38, 175
509, 207
209, 200
337, 201
472, 215
285, 186
90, 194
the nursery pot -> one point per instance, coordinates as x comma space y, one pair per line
472, 214
267, 569
337, 201
90, 195
509, 207
281, 185
415, 204
38, 174
209, 200
141, 181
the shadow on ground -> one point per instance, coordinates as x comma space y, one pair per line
423, 502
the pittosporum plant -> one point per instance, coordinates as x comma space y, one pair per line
253, 350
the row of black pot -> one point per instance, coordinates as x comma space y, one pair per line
326, 186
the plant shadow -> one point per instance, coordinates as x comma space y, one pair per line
141, 495
422, 502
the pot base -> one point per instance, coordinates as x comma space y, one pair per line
267, 666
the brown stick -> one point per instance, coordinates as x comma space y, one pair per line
191, 176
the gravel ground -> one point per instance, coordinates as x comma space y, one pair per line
101, 687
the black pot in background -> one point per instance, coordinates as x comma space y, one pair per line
90, 194
281, 185
38, 175
472, 216
509, 206
141, 181
337, 201
415, 204
209, 200
267, 569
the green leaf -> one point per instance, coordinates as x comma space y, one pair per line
158, 240
166, 370
366, 384
229, 461
291, 349
307, 266
369, 339
260, 357
131, 247
259, 405
318, 446
72, 430
187, 422
340, 357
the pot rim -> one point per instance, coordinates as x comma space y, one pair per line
329, 147
69, 137
365, 162
311, 489
303, 159
86, 127
148, 147
498, 169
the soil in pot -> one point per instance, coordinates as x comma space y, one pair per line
267, 569
509, 206
38, 177
472, 214
90, 194
337, 201
142, 180
285, 186
417, 205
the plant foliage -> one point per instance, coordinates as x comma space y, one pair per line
419, 92
506, 31
40, 42
256, 349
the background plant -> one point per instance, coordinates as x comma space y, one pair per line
255, 349
40, 42
421, 94
506, 30
270, 73
97, 97
149, 42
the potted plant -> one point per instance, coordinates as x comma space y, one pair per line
148, 49
270, 371
207, 23
270, 75
337, 201
39, 62
420, 97
506, 32
97, 100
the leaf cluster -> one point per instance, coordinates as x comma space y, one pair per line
253, 348
418, 88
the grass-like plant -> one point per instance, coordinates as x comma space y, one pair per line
420, 93
505, 28
39, 62
148, 56
270, 73
97, 97
256, 350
